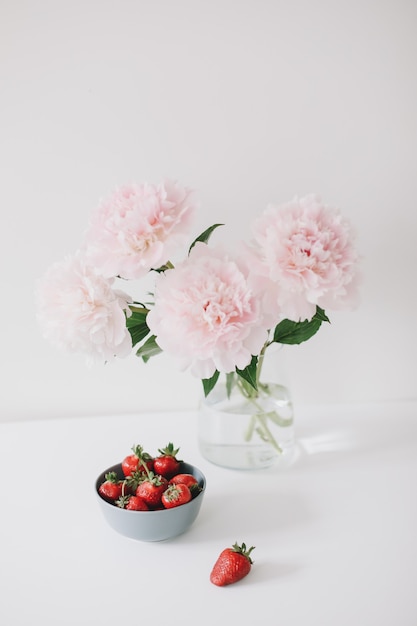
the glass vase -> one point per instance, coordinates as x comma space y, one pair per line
241, 428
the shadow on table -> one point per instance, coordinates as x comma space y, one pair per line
354, 438
269, 570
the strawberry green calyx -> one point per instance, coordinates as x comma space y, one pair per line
155, 479
172, 493
111, 477
169, 450
135, 479
143, 457
122, 501
140, 453
243, 551
147, 474
195, 490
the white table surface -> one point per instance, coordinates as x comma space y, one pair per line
335, 535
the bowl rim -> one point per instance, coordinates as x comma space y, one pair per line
117, 467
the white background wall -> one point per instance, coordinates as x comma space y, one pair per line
246, 101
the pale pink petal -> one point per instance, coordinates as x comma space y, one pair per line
307, 249
206, 311
79, 311
139, 228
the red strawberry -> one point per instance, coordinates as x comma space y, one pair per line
112, 488
175, 495
232, 565
167, 464
135, 462
137, 504
184, 479
132, 503
151, 489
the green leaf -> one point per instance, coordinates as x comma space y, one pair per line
209, 383
320, 314
163, 268
249, 373
290, 332
205, 236
138, 316
148, 349
137, 326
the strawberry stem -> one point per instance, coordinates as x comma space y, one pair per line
243, 550
169, 450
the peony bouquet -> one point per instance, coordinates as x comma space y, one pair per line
214, 311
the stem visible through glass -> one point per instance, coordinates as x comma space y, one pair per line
259, 419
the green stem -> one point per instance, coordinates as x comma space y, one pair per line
260, 415
266, 433
250, 429
260, 363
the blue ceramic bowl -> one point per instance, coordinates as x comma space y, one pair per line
152, 525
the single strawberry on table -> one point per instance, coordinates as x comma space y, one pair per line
232, 565
167, 464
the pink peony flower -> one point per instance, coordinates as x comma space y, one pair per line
206, 315
305, 253
78, 311
138, 228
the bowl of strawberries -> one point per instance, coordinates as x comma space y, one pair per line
151, 498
